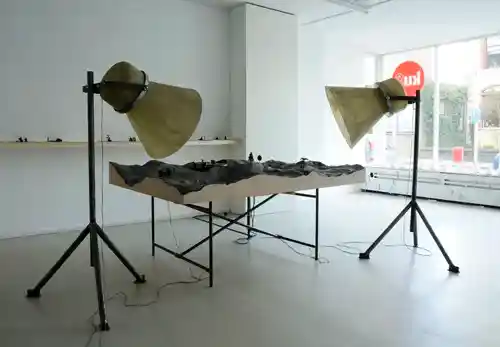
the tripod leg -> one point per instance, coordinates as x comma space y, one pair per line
35, 292
316, 230
413, 223
112, 247
249, 218
452, 268
366, 254
96, 264
153, 235
211, 245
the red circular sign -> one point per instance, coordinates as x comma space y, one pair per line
411, 76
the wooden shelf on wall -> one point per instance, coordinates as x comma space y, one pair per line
42, 144
82, 144
189, 143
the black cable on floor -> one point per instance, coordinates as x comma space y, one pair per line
245, 240
128, 304
344, 247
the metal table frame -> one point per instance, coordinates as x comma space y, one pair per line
231, 221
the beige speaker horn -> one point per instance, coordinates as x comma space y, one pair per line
357, 110
163, 116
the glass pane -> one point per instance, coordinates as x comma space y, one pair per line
458, 67
399, 129
469, 135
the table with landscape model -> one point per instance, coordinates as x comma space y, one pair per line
260, 185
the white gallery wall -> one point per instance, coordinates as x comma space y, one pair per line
271, 83
47, 47
323, 61
264, 87
260, 73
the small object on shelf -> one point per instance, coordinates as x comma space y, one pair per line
132, 139
217, 138
108, 138
225, 137
56, 140
259, 157
303, 162
25, 139
202, 138
19, 139
250, 157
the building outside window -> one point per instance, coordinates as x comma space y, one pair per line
460, 118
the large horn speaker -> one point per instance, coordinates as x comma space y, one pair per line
357, 110
163, 116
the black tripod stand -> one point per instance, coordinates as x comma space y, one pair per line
92, 229
412, 206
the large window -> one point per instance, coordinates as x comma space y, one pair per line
400, 127
460, 118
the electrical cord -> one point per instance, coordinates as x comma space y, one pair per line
246, 240
321, 260
126, 303
177, 245
339, 246
95, 330
344, 247
125, 299
241, 241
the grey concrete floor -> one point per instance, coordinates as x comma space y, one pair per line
265, 294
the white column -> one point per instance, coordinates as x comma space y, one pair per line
382, 127
271, 83
264, 88
436, 108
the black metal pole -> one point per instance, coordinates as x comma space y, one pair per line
94, 245
416, 147
94, 254
413, 206
153, 238
452, 267
91, 145
249, 217
316, 239
210, 244
92, 229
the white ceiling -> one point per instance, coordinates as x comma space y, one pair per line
397, 27
306, 10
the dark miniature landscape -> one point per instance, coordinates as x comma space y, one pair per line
192, 177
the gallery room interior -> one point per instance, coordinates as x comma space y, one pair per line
226, 173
